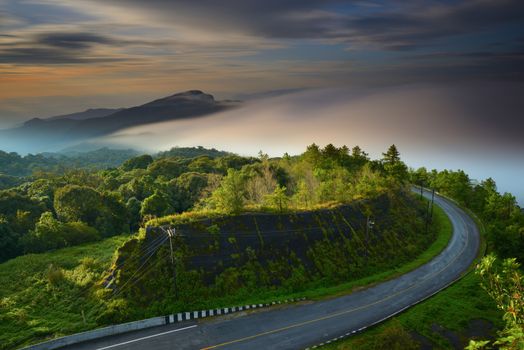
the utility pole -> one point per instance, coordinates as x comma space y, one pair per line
427, 218
432, 202
369, 226
171, 233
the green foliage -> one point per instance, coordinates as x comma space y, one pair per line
187, 190
192, 152
140, 162
504, 284
229, 197
7, 181
167, 168
43, 295
54, 274
278, 199
500, 214
78, 203
156, 205
106, 213
50, 233
394, 337
9, 246
16, 165
392, 164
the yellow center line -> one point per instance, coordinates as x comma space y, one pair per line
345, 311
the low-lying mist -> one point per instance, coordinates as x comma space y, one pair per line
475, 128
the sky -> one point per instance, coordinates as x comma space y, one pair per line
422, 73
60, 56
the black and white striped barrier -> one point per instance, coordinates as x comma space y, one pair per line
148, 323
193, 315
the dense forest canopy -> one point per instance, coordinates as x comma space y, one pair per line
52, 201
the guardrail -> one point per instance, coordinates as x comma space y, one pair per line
148, 323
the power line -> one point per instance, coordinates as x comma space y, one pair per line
138, 269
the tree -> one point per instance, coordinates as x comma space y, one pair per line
504, 284
455, 184
186, 190
304, 195
391, 156
335, 184
49, 233
156, 205
202, 164
133, 207
78, 203
105, 212
358, 157
140, 162
312, 154
114, 217
230, 196
420, 177
9, 247
260, 180
393, 165
169, 168
370, 184
278, 199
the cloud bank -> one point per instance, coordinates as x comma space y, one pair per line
474, 127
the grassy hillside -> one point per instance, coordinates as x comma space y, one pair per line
43, 295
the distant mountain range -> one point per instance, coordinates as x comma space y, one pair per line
88, 114
55, 133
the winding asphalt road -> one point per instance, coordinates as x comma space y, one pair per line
308, 324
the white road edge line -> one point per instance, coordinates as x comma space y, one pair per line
151, 336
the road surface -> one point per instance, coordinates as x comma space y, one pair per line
309, 324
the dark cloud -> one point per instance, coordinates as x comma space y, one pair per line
421, 25
44, 56
393, 25
55, 48
72, 40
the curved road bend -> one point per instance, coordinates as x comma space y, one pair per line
302, 326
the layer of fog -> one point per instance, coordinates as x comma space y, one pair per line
475, 128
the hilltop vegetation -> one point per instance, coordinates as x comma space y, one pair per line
55, 201
36, 165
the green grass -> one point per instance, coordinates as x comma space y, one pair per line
38, 302
452, 308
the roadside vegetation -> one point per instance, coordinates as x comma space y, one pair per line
75, 212
56, 292
493, 314
49, 294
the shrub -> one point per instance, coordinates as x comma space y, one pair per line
55, 275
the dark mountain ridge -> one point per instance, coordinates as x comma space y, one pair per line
55, 133
87, 114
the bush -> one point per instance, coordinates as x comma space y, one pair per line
55, 275
49, 233
77, 233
